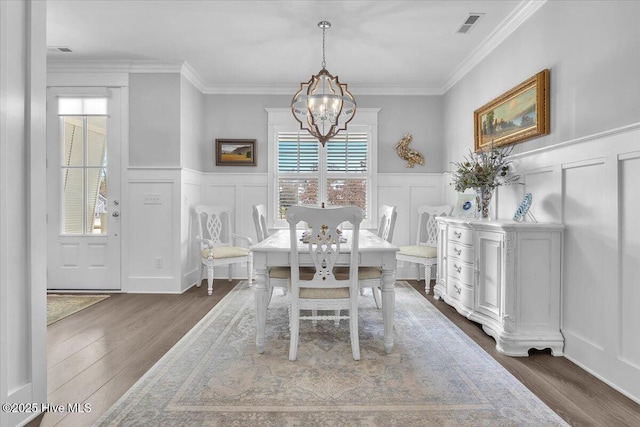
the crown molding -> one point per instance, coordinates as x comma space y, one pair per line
523, 12
113, 66
186, 70
291, 89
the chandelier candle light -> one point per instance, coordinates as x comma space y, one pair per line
323, 106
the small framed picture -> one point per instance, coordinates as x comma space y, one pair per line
235, 152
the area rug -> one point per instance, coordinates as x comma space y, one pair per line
61, 306
435, 375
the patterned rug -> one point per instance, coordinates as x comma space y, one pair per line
435, 375
61, 306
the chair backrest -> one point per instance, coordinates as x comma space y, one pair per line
387, 222
260, 221
324, 245
427, 225
214, 224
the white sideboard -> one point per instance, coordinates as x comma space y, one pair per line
505, 275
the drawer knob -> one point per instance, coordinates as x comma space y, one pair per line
457, 268
457, 251
458, 290
457, 234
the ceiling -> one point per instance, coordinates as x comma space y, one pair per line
383, 47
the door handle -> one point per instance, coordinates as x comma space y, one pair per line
116, 214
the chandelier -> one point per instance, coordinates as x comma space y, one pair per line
323, 106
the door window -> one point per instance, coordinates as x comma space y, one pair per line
83, 165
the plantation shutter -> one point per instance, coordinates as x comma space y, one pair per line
310, 175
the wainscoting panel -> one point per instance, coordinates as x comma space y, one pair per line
591, 185
151, 255
191, 183
545, 184
629, 296
239, 192
584, 240
407, 192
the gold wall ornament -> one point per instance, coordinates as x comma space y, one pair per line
410, 155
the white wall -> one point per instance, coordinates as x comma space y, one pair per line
22, 207
592, 49
241, 191
154, 119
192, 153
152, 232
244, 117
421, 116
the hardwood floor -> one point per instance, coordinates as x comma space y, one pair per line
96, 355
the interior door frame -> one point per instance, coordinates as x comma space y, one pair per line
72, 82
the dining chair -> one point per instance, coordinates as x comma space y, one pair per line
371, 277
424, 252
323, 290
216, 238
277, 276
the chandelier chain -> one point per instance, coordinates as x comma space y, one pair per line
324, 62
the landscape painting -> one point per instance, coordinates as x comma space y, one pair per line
519, 114
235, 152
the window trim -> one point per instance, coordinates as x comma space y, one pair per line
281, 120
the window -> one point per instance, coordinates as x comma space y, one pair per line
83, 164
340, 174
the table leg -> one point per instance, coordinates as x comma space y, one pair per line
388, 304
262, 299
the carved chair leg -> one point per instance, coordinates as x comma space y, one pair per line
427, 278
294, 326
376, 296
230, 271
250, 268
353, 331
210, 279
337, 321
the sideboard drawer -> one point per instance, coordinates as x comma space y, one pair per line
461, 271
460, 235
459, 251
460, 292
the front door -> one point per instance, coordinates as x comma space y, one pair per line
83, 188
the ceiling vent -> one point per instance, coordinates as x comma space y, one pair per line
63, 49
469, 23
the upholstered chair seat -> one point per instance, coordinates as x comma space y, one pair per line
419, 251
225, 252
425, 251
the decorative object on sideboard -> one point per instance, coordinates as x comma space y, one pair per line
235, 152
410, 155
323, 106
483, 171
519, 114
465, 205
524, 209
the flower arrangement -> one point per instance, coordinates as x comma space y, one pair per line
484, 170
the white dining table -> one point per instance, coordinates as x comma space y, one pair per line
374, 251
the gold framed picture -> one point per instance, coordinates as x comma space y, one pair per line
521, 113
235, 152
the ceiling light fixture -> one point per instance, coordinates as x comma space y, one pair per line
323, 106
